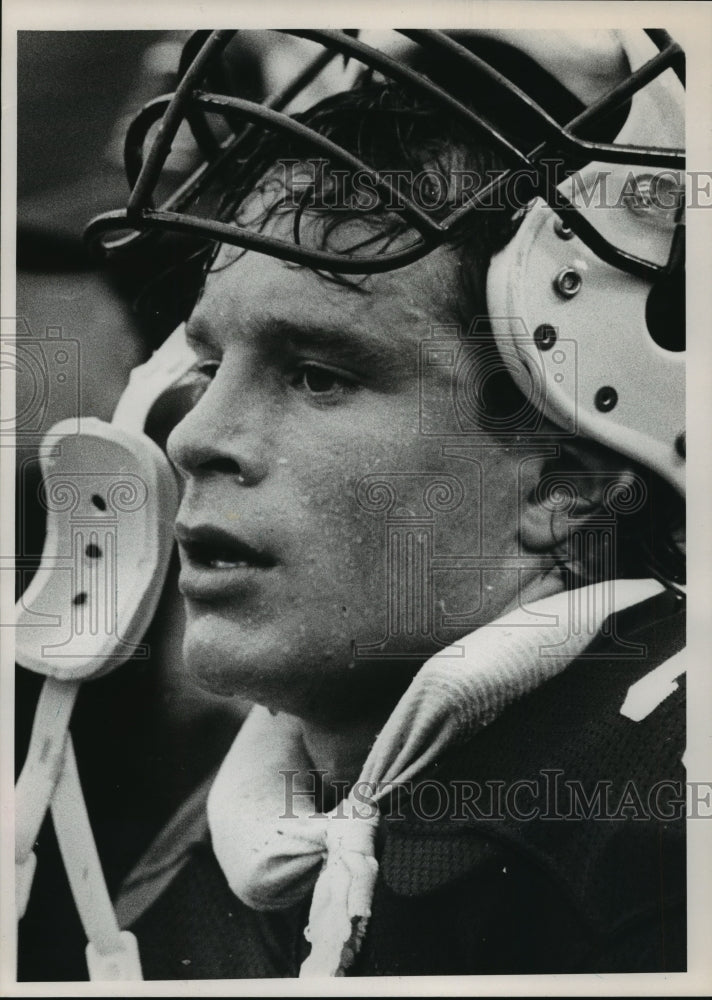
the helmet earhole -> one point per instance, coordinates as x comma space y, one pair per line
665, 312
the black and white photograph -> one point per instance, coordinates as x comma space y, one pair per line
346, 410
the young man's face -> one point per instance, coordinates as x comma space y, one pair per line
291, 559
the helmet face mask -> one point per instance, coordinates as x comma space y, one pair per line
585, 258
197, 105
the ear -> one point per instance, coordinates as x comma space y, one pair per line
573, 486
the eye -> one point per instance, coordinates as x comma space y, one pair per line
199, 378
207, 369
322, 382
202, 373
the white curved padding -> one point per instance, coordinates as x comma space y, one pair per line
147, 382
603, 327
111, 500
602, 340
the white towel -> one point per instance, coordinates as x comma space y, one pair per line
274, 851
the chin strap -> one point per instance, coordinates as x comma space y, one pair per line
117, 616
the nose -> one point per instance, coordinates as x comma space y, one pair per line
213, 439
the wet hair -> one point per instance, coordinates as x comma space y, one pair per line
422, 150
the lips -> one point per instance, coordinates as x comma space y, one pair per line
213, 560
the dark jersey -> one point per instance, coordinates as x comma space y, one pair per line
551, 842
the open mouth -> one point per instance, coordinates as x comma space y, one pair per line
212, 548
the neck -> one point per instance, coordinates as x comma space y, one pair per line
339, 752
337, 746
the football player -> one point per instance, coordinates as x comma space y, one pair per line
432, 510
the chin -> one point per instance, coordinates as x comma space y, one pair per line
288, 667
211, 659
211, 681
263, 665
205, 671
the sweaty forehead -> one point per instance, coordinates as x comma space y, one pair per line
249, 291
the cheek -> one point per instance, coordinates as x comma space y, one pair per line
377, 508
489, 532
341, 528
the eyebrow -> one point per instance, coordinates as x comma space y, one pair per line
198, 334
356, 345
276, 334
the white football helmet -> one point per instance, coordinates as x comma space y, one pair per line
595, 273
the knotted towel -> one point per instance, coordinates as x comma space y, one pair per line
275, 848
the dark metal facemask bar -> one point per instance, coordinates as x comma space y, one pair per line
560, 139
254, 113
143, 216
147, 180
186, 93
135, 142
606, 251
